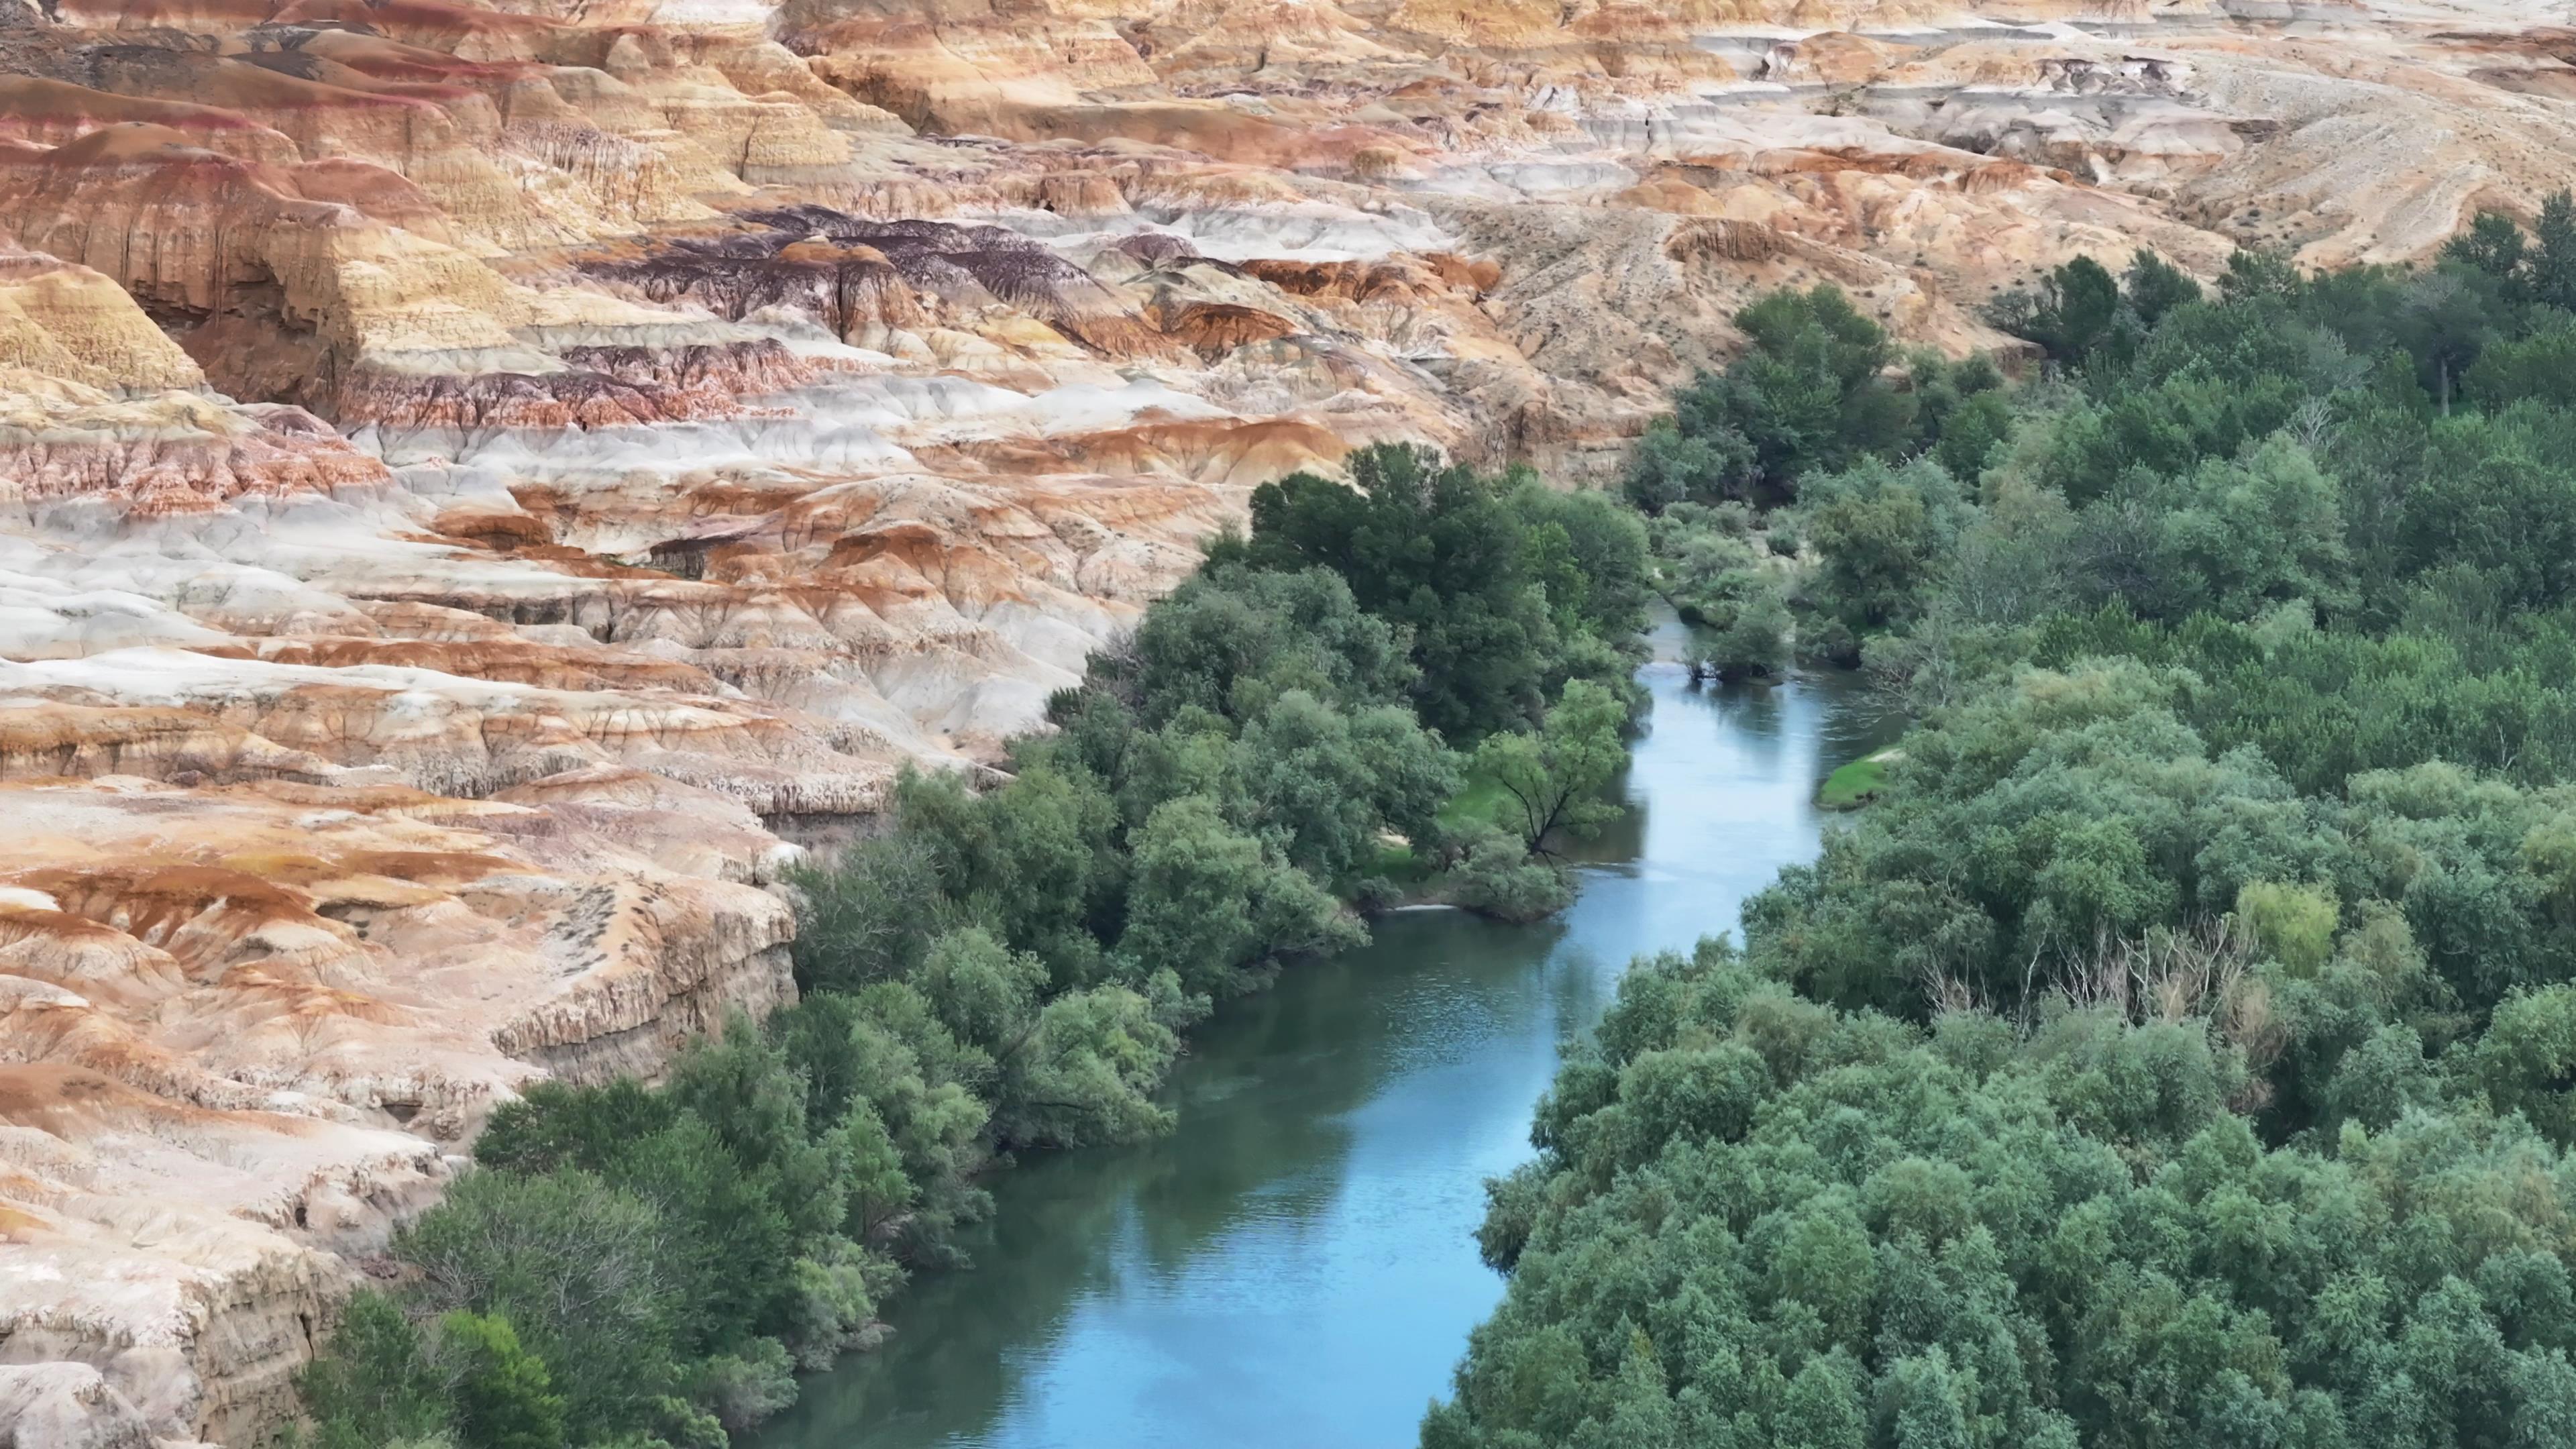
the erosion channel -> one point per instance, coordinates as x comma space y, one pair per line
1294, 1265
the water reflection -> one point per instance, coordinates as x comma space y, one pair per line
1293, 1265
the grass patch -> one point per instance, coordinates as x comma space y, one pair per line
1855, 784
1481, 798
1400, 863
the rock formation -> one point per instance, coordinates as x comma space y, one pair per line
478, 482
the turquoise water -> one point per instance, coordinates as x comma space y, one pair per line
1293, 1266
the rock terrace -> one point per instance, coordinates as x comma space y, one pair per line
476, 484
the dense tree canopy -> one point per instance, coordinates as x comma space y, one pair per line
1761, 1221
1495, 582
1010, 967
2179, 1050
1813, 392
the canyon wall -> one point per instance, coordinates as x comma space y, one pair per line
477, 481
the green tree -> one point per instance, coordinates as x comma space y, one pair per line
1670, 466
1328, 783
886, 1051
2527, 1059
1589, 555
1754, 644
984, 992
2552, 261
1209, 902
2544, 1387
2493, 244
502, 1396
1971, 434
748, 1384
1437, 551
2255, 272
573, 1264
1086, 1072
1554, 778
1230, 641
2534, 366
1884, 533
1492, 874
2071, 314
865, 919
2154, 287
1038, 860
1808, 395
2295, 924
374, 1386
1821, 1409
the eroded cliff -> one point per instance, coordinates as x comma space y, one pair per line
473, 481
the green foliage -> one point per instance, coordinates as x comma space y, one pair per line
1555, 778
984, 992
1587, 554
1764, 1222
1034, 861
1807, 395
1088, 1068
375, 1387
2072, 313
1209, 901
1332, 781
654, 1261
1854, 785
2254, 273
1670, 466
862, 922
2183, 1055
746, 1387
2540, 268
1230, 641
2492, 244
1971, 434
2553, 256
1883, 532
1489, 580
2154, 287
2082, 313
1493, 875
2295, 925
1707, 562
574, 1263
2526, 1061
884, 1069
1009, 967
501, 1395
1753, 644
2535, 367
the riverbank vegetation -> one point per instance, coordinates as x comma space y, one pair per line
1433, 672
1799, 495
2178, 1050
1851, 786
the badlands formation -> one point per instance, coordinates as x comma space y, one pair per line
479, 482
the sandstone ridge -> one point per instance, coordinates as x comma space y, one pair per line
483, 487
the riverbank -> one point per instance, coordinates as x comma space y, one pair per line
1308, 1222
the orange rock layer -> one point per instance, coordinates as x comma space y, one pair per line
476, 484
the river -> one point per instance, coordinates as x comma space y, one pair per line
1293, 1265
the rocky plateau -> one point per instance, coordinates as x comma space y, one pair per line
485, 487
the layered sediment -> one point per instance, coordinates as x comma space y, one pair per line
476, 483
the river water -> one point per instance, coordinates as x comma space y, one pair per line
1293, 1267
